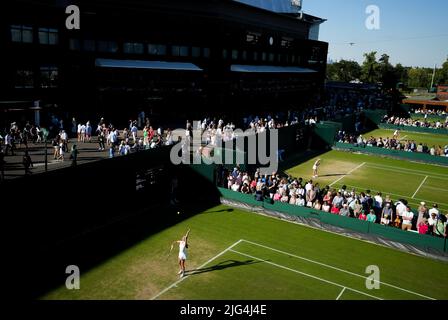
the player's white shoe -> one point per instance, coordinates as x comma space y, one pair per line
182, 274
180, 271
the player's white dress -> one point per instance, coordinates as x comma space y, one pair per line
182, 251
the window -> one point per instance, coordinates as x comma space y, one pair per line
206, 52
263, 56
286, 42
271, 57
179, 51
196, 52
255, 56
107, 46
49, 76
244, 55
22, 34
48, 36
74, 44
157, 49
234, 54
133, 47
89, 45
224, 53
252, 37
24, 78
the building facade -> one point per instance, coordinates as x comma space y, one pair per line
168, 57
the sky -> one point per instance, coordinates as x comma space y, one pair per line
413, 33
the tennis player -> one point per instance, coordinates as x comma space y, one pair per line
315, 168
183, 246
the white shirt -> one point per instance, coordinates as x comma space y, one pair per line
408, 214
401, 208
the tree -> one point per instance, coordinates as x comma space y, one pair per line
344, 70
370, 68
442, 74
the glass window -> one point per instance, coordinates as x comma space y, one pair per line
89, 45
234, 54
271, 57
133, 47
263, 56
224, 53
49, 76
107, 46
196, 52
244, 55
293, 58
74, 44
255, 56
183, 51
24, 78
22, 34
48, 36
206, 52
157, 49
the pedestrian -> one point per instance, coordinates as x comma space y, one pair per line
74, 155
27, 162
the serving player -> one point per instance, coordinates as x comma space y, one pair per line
315, 168
183, 246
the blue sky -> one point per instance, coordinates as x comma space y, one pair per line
410, 30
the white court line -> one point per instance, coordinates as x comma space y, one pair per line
351, 171
416, 172
340, 295
305, 274
335, 268
403, 138
419, 187
200, 267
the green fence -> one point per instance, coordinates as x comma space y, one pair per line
441, 131
413, 156
326, 131
375, 116
418, 240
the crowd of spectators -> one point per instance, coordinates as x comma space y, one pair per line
422, 123
352, 203
394, 143
425, 112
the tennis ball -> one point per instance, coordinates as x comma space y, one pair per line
178, 212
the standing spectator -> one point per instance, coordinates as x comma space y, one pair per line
386, 214
74, 127
101, 141
2, 165
88, 132
27, 163
61, 151
422, 213
74, 155
407, 217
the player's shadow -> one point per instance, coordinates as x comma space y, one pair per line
223, 210
221, 266
333, 175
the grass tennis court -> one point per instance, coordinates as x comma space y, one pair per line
235, 254
428, 138
400, 179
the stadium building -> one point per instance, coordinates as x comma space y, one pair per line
159, 56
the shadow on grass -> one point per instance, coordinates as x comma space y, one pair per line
222, 265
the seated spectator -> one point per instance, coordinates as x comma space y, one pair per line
362, 215
326, 206
371, 217
423, 226
345, 212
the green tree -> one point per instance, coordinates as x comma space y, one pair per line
344, 70
442, 74
370, 68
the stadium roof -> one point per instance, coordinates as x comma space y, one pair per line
143, 64
268, 69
